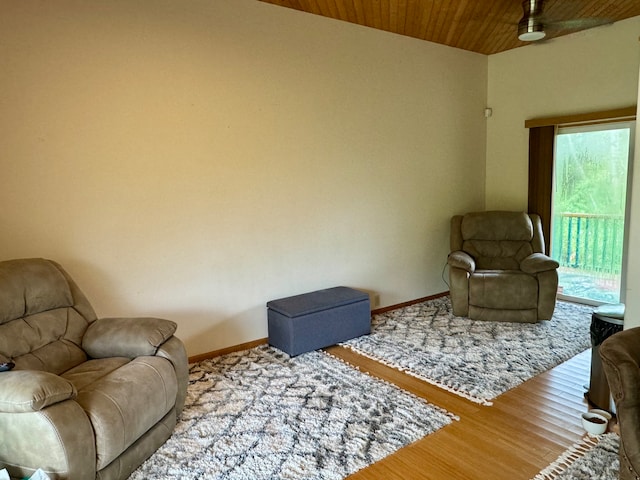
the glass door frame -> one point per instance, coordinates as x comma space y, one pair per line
595, 126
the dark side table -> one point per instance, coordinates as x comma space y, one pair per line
605, 321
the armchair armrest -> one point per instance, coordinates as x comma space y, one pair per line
29, 390
463, 260
620, 356
126, 337
537, 263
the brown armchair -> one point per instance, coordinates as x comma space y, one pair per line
620, 354
498, 269
86, 398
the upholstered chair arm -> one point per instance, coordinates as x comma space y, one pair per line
621, 359
538, 263
174, 351
126, 337
620, 356
30, 391
463, 260
461, 265
41, 425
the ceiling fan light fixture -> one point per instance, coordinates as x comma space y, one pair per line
530, 27
530, 31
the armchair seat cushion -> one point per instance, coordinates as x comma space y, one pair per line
92, 370
503, 289
122, 403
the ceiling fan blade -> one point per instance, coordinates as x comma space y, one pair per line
535, 24
576, 23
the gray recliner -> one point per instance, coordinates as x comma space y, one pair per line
87, 398
498, 269
620, 354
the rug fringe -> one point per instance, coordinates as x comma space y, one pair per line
452, 416
448, 388
567, 458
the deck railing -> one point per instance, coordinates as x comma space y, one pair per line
588, 242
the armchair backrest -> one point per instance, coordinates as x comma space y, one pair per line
43, 316
497, 240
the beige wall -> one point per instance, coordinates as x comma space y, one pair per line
632, 300
195, 159
588, 71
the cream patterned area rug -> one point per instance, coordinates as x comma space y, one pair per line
596, 458
478, 360
259, 414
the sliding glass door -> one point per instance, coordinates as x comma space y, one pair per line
592, 170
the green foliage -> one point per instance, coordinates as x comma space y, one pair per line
591, 172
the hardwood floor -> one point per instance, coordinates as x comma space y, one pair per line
523, 431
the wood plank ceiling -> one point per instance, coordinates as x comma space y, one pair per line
483, 26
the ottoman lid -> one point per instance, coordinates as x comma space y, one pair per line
316, 301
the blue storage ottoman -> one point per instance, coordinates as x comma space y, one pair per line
318, 319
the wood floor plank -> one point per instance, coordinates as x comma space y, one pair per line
524, 430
